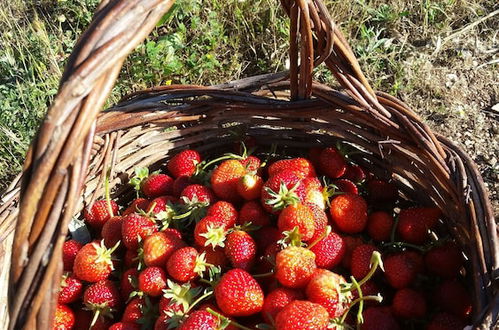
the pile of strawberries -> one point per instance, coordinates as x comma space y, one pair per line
239, 242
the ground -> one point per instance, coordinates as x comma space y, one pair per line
441, 57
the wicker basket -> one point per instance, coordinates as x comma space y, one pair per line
76, 145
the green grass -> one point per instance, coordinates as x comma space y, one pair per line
206, 42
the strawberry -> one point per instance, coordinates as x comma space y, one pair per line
314, 155
249, 186
252, 211
186, 264
320, 221
102, 298
97, 215
70, 249
137, 205
214, 256
184, 163
414, 223
211, 231
378, 318
301, 166
152, 281
445, 260
281, 190
452, 297
174, 232
400, 270
93, 262
64, 318
408, 304
136, 226
416, 259
84, 320
351, 242
314, 192
354, 173
324, 289
134, 310
329, 251
295, 266
224, 179
349, 213
225, 211
252, 164
111, 231
332, 163
240, 249
369, 288
198, 320
297, 215
180, 183
381, 192
131, 258
379, 226
301, 314
71, 289
158, 247
125, 326
276, 300
239, 294
156, 185
346, 186
129, 283
445, 321
163, 204
266, 236
198, 193
361, 260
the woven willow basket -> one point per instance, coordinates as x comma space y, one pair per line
77, 144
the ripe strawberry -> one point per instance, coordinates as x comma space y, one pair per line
379, 226
281, 190
252, 164
276, 300
351, 242
349, 213
131, 258
409, 304
180, 183
214, 256
137, 205
266, 236
400, 270
186, 264
346, 186
225, 211
354, 173
111, 231
134, 310
249, 186
184, 163
314, 192
239, 294
332, 163
361, 260
93, 262
379, 318
301, 314
102, 298
156, 185
381, 192
252, 211
200, 319
416, 259
301, 166
445, 321
163, 204
97, 215
64, 318
129, 282
174, 232
445, 260
158, 247
414, 223
452, 297
329, 251
125, 326
71, 289
324, 289
224, 180
70, 249
295, 266
196, 193
152, 281
297, 215
84, 320
240, 249
134, 226
320, 221
211, 231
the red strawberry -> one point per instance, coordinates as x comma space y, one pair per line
180, 183
224, 179
102, 298
266, 236
184, 163
329, 251
97, 215
249, 186
297, 215
314, 155
400, 270
163, 204
416, 259
414, 224
276, 300
152, 281
131, 258
361, 260
314, 192
93, 262
351, 242
129, 283
452, 297
379, 226
84, 320
225, 211
240, 249
211, 231
70, 249
198, 320
295, 266
252, 211
300, 314
186, 264
408, 304
252, 164
378, 318
196, 193
445, 321
71, 289
174, 232
64, 318
445, 260
381, 192
320, 221
349, 213
281, 190
125, 326
346, 186
111, 231
239, 294
332, 163
301, 166
354, 173
215, 257
137, 205
158, 247
134, 310
134, 226
324, 289
156, 185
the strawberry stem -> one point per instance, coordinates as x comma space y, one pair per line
197, 301
375, 262
226, 319
320, 238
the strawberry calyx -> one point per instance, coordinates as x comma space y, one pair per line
104, 255
201, 264
182, 295
284, 197
291, 238
191, 209
215, 236
99, 310
224, 321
